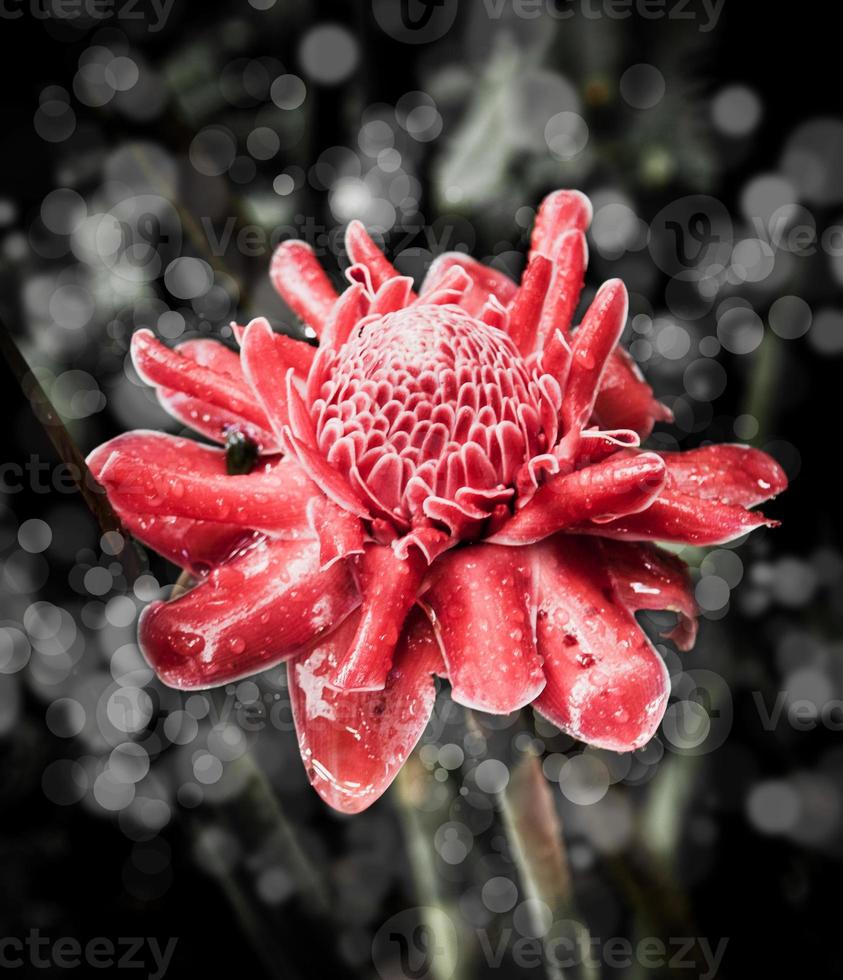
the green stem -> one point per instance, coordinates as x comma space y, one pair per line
763, 386
69, 453
535, 832
537, 845
259, 814
438, 911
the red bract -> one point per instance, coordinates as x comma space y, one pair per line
451, 485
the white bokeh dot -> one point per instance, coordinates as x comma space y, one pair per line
773, 806
642, 86
499, 894
491, 776
35, 535
329, 53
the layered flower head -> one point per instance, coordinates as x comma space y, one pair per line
452, 484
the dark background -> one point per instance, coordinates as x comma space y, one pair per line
71, 871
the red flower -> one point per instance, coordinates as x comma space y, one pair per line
451, 484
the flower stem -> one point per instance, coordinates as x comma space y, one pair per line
259, 809
444, 963
57, 432
537, 846
535, 834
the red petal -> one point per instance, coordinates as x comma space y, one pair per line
247, 615
555, 359
212, 354
597, 444
353, 744
606, 685
212, 422
349, 309
563, 296
302, 283
363, 251
625, 400
332, 483
728, 473
526, 309
160, 366
683, 519
296, 354
449, 289
190, 544
593, 342
559, 213
154, 473
485, 281
340, 533
645, 577
481, 608
193, 545
266, 363
393, 295
594, 493
389, 586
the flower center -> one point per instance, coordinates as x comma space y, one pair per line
431, 413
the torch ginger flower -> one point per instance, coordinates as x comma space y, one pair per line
452, 484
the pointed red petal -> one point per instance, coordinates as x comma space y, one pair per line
597, 444
340, 533
212, 354
645, 577
296, 354
214, 423
485, 281
563, 295
450, 288
555, 359
481, 608
247, 615
353, 744
332, 483
302, 283
594, 493
526, 309
363, 251
606, 685
196, 546
165, 368
560, 212
389, 586
350, 307
265, 364
393, 295
153, 473
190, 544
625, 400
731, 474
682, 519
593, 342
